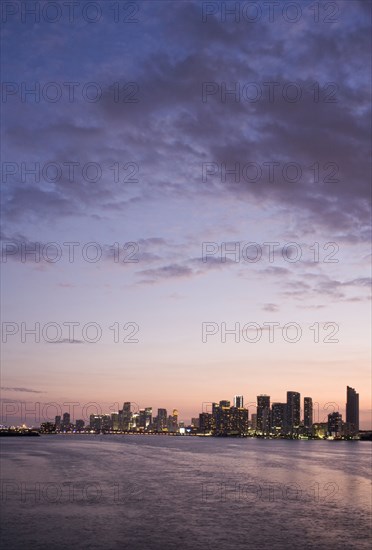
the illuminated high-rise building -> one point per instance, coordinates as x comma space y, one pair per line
175, 416
238, 401
142, 419
205, 422
95, 422
293, 412
335, 424
145, 418
80, 424
278, 411
115, 421
162, 420
66, 421
228, 420
148, 417
308, 413
173, 421
263, 414
254, 421
135, 421
126, 417
222, 417
352, 410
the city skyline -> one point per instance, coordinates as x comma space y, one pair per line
302, 409
225, 418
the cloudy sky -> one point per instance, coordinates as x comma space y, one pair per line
125, 126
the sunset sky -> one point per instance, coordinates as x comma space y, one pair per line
152, 120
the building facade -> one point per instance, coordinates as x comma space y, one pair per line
308, 413
293, 412
263, 414
352, 410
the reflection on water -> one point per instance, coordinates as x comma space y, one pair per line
159, 493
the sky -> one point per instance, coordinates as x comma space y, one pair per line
166, 143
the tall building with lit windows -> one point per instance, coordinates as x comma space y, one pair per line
115, 421
148, 416
238, 401
308, 413
334, 427
205, 422
253, 423
278, 411
352, 410
66, 421
228, 420
162, 420
125, 420
263, 414
293, 412
173, 421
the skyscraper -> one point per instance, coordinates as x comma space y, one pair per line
205, 422
352, 410
115, 421
142, 419
335, 424
162, 420
66, 421
80, 424
238, 401
126, 417
253, 423
222, 417
263, 414
308, 412
95, 422
278, 411
173, 421
229, 420
148, 417
293, 412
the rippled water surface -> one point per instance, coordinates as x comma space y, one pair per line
158, 492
